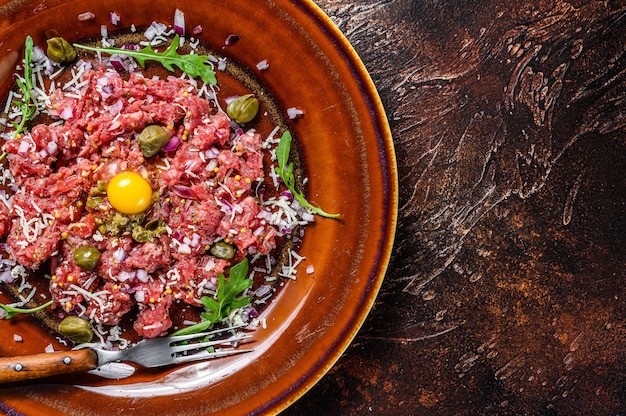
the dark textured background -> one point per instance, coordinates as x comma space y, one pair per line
505, 293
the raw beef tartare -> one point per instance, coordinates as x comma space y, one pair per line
137, 193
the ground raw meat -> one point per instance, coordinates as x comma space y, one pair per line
203, 193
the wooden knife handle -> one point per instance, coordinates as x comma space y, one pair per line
28, 367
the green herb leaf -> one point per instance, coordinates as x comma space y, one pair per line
25, 84
12, 311
285, 171
228, 298
192, 64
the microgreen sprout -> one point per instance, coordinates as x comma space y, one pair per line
10, 311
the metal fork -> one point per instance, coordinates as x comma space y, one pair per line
156, 352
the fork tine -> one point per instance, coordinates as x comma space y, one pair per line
203, 355
178, 338
198, 345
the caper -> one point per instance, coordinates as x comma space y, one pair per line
152, 139
87, 257
77, 329
60, 50
243, 109
222, 250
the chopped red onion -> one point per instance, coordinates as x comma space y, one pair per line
221, 64
294, 112
184, 249
23, 148
104, 31
154, 30
142, 275
197, 30
179, 22
140, 296
86, 16
288, 195
39, 56
184, 191
310, 269
124, 276
172, 144
17, 338
263, 290
263, 65
52, 147
114, 18
232, 39
253, 313
6, 266
119, 255
114, 109
212, 153
121, 63
213, 163
308, 217
67, 113
227, 205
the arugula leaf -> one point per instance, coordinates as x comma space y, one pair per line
12, 311
25, 84
228, 298
192, 64
285, 171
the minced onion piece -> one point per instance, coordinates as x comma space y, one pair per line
294, 112
179, 22
114, 18
263, 65
197, 30
86, 16
119, 254
172, 144
231, 39
155, 29
142, 275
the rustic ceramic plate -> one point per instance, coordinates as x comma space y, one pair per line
347, 153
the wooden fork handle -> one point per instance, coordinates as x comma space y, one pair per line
28, 367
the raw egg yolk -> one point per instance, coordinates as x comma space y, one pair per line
129, 193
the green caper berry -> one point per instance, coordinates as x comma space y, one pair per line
87, 257
77, 329
222, 250
60, 50
243, 109
152, 139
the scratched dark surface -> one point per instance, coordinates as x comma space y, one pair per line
505, 293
